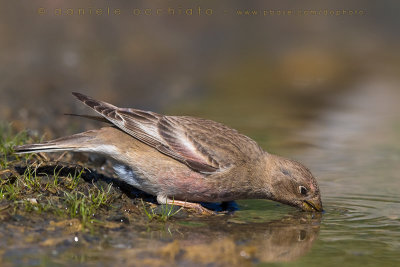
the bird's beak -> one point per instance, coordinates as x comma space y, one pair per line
312, 205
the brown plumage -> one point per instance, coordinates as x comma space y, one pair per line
188, 159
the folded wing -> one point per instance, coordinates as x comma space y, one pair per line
203, 145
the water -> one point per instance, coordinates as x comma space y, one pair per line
355, 153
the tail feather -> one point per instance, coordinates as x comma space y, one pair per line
76, 142
35, 148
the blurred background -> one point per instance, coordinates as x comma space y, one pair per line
220, 60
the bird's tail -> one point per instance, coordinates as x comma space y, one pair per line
76, 142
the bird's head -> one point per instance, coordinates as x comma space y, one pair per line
293, 184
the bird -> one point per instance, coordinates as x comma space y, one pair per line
184, 160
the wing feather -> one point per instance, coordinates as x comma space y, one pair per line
203, 145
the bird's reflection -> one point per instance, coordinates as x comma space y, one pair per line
225, 241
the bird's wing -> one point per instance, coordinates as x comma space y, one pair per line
203, 145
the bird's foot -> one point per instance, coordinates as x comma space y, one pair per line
198, 208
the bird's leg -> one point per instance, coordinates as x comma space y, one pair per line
61, 156
162, 199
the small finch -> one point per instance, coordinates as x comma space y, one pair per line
181, 159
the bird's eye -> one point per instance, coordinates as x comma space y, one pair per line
303, 190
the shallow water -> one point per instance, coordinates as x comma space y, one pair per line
356, 155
